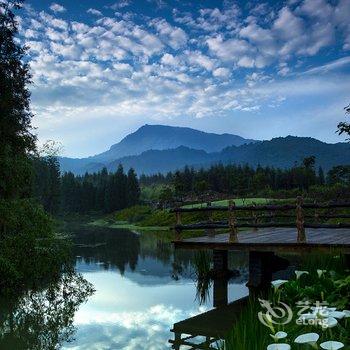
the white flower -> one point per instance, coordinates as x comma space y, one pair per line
278, 283
321, 272
332, 345
307, 338
278, 347
346, 313
279, 335
337, 314
300, 273
329, 322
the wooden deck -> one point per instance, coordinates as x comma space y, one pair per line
272, 239
213, 325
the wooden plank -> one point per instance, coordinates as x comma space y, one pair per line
214, 323
284, 239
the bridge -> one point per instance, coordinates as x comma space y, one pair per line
263, 231
300, 227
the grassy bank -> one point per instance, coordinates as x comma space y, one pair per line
237, 201
145, 218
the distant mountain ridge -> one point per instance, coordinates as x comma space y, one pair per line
281, 152
155, 137
162, 137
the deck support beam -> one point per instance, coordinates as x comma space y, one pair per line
220, 292
261, 267
347, 261
260, 270
220, 260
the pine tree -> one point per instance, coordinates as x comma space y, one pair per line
133, 188
16, 139
321, 178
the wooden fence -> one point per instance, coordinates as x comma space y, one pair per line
234, 222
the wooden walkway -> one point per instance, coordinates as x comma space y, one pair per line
272, 239
213, 325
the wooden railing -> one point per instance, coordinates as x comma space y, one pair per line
234, 222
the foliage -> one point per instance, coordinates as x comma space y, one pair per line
344, 127
245, 180
202, 264
29, 250
16, 139
46, 183
327, 287
102, 191
43, 319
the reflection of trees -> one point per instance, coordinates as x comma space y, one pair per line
115, 248
43, 319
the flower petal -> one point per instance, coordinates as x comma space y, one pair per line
332, 345
307, 338
280, 346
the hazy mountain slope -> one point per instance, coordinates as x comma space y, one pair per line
283, 152
279, 152
150, 162
161, 137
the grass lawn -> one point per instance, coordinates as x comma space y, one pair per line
238, 201
126, 225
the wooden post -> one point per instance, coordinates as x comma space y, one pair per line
178, 222
300, 220
255, 216
220, 292
232, 222
210, 231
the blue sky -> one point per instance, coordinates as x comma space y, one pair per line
258, 69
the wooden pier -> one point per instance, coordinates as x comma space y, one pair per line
307, 232
303, 227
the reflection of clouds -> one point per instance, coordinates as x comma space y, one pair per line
136, 311
149, 329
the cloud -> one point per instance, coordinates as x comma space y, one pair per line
221, 72
173, 36
120, 4
334, 65
209, 62
94, 12
57, 8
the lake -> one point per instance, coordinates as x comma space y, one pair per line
142, 287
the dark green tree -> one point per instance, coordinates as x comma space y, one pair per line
16, 139
321, 177
133, 188
344, 127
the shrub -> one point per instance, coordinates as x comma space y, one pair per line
29, 249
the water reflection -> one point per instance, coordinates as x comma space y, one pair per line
43, 319
142, 288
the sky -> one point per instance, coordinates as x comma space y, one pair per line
101, 69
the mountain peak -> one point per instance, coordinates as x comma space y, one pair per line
163, 137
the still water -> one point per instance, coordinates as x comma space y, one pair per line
141, 288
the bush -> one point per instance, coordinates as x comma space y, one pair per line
29, 249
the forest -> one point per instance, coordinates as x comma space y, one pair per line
247, 180
100, 192
106, 192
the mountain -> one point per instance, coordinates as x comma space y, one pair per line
154, 137
162, 137
281, 152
